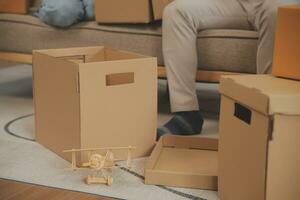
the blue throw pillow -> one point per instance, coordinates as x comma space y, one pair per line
61, 13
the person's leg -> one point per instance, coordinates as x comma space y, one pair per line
265, 24
182, 19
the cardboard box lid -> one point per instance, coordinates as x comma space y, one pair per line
263, 93
184, 161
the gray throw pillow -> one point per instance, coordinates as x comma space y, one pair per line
89, 9
61, 13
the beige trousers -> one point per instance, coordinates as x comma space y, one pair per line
183, 19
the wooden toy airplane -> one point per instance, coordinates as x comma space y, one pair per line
99, 163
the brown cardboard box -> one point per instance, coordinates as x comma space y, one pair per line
14, 6
259, 138
182, 161
158, 8
95, 97
123, 11
286, 61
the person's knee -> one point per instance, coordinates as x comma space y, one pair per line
175, 9
270, 10
270, 16
169, 11
61, 13
266, 19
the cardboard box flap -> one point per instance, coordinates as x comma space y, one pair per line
78, 52
52, 79
274, 96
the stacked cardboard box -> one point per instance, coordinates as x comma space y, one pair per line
124, 11
129, 11
14, 6
286, 53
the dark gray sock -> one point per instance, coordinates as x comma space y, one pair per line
183, 123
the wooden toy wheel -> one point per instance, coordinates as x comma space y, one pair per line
109, 180
87, 180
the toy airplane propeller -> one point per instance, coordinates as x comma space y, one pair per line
99, 163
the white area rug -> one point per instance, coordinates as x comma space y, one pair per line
22, 159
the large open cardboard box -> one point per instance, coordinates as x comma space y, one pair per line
14, 6
259, 138
95, 97
158, 8
287, 44
183, 161
123, 11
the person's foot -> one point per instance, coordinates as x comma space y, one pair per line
183, 123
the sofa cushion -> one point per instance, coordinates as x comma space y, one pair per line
226, 50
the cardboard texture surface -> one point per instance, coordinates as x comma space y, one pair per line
95, 97
286, 62
184, 162
158, 8
259, 138
125, 11
14, 6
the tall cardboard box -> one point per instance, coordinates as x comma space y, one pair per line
14, 6
259, 140
286, 61
95, 97
158, 8
123, 11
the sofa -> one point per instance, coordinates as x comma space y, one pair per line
218, 50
